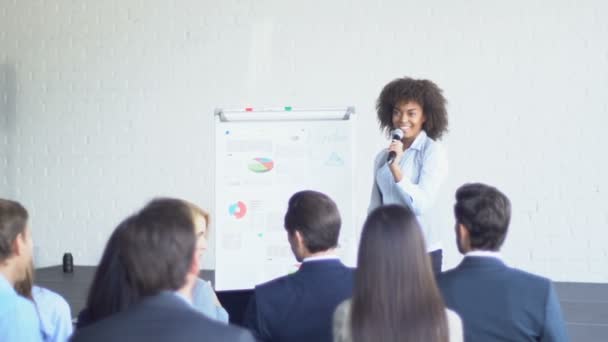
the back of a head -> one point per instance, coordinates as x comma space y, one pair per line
150, 251
13, 221
395, 296
111, 290
485, 212
158, 246
316, 217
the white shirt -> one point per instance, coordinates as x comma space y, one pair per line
425, 167
478, 253
321, 257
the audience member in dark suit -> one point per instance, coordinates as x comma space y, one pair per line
159, 249
496, 302
112, 292
299, 307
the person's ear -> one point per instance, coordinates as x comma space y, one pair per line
464, 236
464, 232
19, 244
195, 264
299, 239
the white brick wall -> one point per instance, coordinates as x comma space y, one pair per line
4, 130
113, 105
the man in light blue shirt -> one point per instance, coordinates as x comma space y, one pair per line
18, 318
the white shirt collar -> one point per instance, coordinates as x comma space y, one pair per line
491, 254
419, 141
321, 257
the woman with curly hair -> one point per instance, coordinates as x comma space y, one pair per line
414, 166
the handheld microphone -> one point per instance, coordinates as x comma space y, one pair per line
396, 134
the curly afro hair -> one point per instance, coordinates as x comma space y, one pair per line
424, 92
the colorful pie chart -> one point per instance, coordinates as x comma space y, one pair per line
238, 210
260, 165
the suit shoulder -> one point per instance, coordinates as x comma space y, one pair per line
514, 276
528, 278
274, 284
349, 271
240, 334
273, 288
196, 324
285, 283
224, 332
446, 276
527, 275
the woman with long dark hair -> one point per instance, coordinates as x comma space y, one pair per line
110, 291
113, 289
395, 297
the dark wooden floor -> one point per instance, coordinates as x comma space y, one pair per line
585, 305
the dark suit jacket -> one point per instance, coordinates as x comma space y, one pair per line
163, 317
499, 303
299, 307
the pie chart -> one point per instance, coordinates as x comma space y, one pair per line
260, 165
238, 210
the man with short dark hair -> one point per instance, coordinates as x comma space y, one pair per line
299, 306
495, 302
160, 248
18, 318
